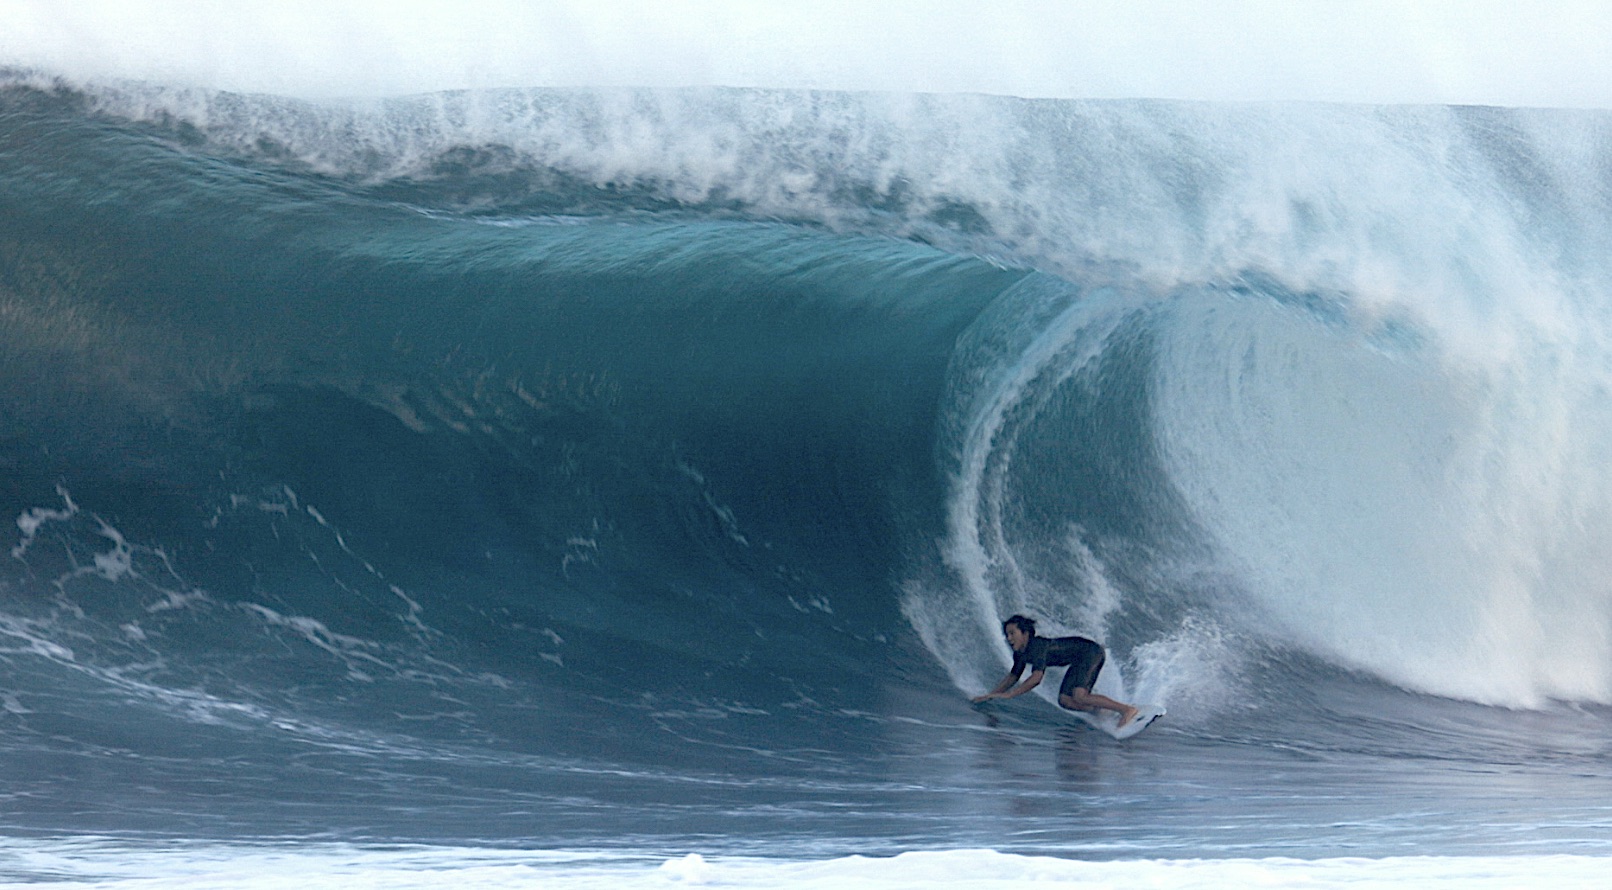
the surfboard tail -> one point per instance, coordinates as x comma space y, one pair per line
1146, 716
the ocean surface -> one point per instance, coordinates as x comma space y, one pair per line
605, 485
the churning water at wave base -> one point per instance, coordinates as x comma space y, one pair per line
645, 472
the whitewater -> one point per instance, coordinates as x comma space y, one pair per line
597, 485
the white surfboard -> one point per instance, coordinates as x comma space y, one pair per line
1108, 721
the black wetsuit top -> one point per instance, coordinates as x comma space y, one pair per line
1083, 657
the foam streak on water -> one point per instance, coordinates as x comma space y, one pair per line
111, 864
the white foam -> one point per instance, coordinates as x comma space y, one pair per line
1435, 519
105, 863
35, 518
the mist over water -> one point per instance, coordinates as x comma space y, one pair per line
1479, 52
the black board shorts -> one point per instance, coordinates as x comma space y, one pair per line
1083, 670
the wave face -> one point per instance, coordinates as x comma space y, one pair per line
598, 434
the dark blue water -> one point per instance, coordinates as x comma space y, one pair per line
649, 471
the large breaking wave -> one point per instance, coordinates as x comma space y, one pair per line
460, 412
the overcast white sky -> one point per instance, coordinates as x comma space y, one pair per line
1477, 51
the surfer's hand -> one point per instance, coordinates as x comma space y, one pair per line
986, 697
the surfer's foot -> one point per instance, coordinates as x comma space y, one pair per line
1127, 715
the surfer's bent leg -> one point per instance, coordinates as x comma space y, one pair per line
1075, 692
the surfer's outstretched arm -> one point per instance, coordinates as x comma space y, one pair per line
1005, 685
1006, 689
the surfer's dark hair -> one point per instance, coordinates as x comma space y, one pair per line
1025, 624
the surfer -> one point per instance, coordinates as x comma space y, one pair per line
1083, 657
